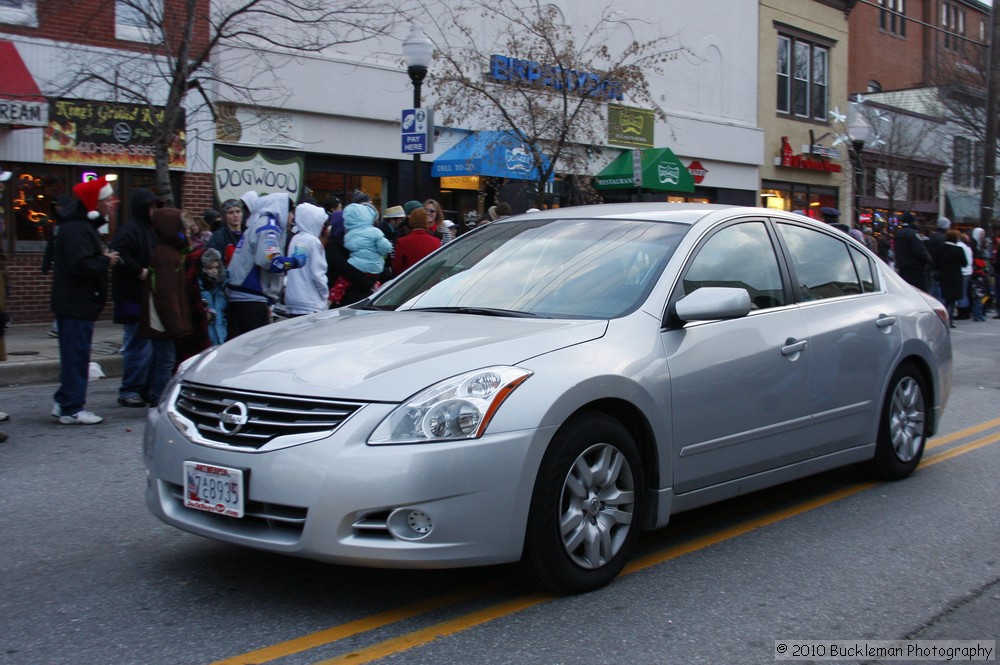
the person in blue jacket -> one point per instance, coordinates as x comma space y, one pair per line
212, 287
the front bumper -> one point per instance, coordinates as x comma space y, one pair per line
332, 499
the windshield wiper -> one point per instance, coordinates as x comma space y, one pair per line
483, 311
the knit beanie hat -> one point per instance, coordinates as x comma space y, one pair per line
410, 206
944, 223
91, 192
418, 218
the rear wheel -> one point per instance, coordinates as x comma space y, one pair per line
902, 428
585, 508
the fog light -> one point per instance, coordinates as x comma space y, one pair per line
410, 524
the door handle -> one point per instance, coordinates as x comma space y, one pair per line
885, 321
793, 346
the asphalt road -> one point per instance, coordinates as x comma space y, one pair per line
87, 576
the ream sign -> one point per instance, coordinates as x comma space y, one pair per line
28, 114
234, 176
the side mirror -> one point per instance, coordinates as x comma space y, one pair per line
710, 303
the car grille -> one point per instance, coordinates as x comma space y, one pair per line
271, 521
248, 419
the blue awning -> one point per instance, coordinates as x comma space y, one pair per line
494, 154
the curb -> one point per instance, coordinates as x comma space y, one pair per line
34, 370
47, 371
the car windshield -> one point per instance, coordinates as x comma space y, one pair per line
552, 268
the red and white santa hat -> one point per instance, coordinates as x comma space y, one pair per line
92, 191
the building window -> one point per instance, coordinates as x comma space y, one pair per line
892, 17
19, 12
803, 78
960, 161
923, 189
966, 162
953, 23
137, 20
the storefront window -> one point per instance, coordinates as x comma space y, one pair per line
33, 190
31, 195
321, 186
800, 198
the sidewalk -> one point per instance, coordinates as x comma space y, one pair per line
33, 356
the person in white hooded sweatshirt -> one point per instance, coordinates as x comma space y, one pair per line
257, 269
306, 290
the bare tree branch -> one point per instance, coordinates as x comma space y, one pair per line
182, 37
558, 121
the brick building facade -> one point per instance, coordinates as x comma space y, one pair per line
44, 44
905, 44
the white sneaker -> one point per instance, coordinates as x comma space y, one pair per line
56, 410
81, 418
4, 416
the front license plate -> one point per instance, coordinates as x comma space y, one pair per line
214, 489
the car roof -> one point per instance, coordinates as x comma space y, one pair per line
684, 213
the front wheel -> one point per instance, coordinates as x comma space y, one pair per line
585, 508
902, 430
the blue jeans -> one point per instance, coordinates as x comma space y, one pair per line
137, 352
75, 337
164, 355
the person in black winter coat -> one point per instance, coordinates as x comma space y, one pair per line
950, 261
134, 241
80, 263
913, 261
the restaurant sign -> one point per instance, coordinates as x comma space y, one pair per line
630, 126
108, 134
790, 160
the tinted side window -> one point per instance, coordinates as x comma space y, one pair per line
866, 271
739, 256
822, 263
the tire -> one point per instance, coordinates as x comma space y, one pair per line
586, 507
902, 430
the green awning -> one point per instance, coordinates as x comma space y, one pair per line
661, 171
963, 207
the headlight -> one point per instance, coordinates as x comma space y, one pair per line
457, 408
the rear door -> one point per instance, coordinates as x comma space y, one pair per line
854, 333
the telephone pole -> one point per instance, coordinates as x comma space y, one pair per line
986, 212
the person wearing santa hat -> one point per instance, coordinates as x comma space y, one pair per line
80, 263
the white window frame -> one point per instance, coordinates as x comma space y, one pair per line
810, 84
25, 14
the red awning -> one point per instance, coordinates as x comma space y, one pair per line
16, 82
21, 102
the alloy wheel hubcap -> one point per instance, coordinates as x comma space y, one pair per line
906, 422
597, 506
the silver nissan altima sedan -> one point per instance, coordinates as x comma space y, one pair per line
544, 387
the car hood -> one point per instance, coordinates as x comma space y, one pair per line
380, 356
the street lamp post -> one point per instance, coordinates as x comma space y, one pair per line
857, 132
417, 51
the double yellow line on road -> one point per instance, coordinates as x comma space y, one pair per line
514, 605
